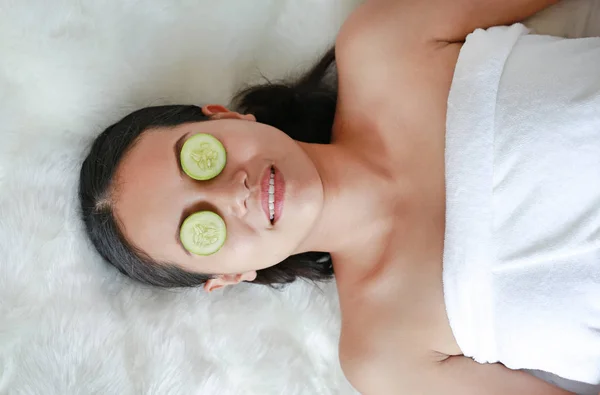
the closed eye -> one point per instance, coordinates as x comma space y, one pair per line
186, 213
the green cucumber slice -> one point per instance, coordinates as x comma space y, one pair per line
203, 157
203, 233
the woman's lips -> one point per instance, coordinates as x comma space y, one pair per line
272, 193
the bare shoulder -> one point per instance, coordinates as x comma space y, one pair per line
381, 45
379, 329
366, 346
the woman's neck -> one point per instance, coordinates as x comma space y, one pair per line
355, 202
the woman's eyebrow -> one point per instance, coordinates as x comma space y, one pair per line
177, 150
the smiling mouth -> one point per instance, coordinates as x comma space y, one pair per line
273, 188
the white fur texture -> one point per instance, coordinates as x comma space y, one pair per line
69, 324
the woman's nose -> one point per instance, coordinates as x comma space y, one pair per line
231, 194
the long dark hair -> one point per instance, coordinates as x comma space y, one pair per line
303, 109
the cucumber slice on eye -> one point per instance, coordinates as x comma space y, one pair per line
203, 157
203, 233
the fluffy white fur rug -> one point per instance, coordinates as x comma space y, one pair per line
70, 325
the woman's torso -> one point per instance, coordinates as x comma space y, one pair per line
398, 299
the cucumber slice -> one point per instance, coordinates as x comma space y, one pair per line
203, 157
203, 233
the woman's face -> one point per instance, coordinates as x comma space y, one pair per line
152, 196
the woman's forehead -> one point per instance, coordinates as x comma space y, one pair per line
149, 159
146, 190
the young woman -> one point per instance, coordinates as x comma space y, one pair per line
451, 184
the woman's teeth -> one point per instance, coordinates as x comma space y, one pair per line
272, 194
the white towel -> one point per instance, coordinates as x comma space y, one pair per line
522, 245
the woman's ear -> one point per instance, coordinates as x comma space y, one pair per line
215, 111
224, 280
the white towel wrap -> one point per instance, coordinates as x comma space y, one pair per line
522, 244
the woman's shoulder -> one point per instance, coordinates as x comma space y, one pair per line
389, 73
376, 304
378, 332
375, 49
394, 303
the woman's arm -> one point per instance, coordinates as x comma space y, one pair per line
466, 376
394, 45
453, 20
485, 13
453, 376
442, 20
